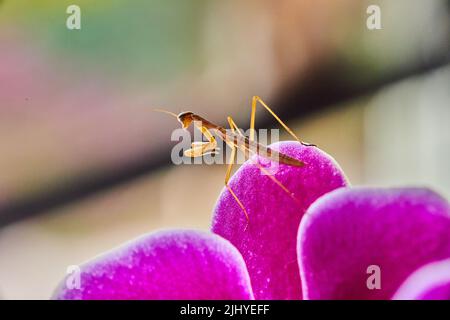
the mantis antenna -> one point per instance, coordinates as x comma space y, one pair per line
165, 111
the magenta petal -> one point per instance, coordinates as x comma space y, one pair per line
268, 245
165, 265
431, 282
348, 230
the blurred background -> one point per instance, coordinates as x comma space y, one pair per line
85, 163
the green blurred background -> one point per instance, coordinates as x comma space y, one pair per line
85, 163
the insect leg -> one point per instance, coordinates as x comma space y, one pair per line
198, 149
255, 101
277, 182
252, 123
227, 178
233, 126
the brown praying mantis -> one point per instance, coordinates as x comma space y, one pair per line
237, 141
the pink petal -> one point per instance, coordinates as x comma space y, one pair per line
431, 282
165, 265
268, 245
348, 230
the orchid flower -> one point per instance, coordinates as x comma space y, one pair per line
316, 241
175, 264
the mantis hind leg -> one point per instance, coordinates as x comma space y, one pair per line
255, 101
234, 128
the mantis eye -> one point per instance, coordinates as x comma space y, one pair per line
185, 122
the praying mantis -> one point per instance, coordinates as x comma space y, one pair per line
235, 139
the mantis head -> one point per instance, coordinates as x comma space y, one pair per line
185, 118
